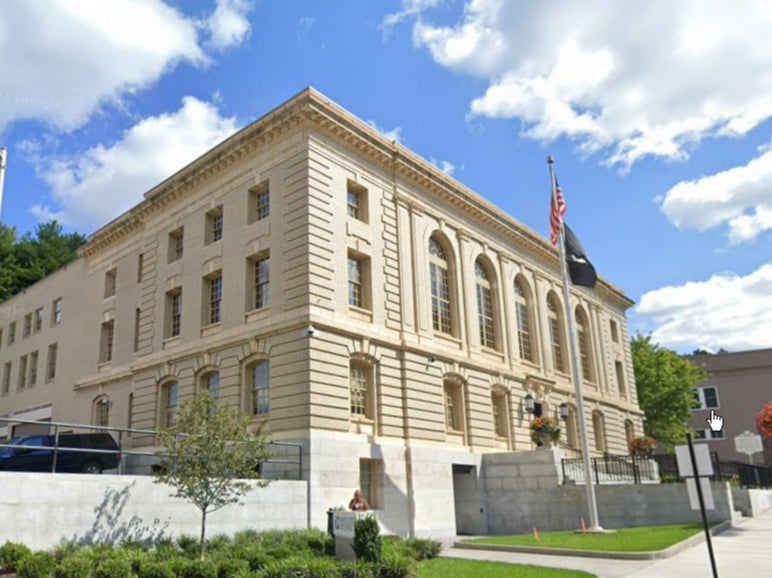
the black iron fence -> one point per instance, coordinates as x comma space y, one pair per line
611, 469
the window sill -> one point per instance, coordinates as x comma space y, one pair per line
447, 337
171, 342
360, 313
211, 329
104, 366
361, 419
257, 314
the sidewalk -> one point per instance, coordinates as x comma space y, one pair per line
744, 548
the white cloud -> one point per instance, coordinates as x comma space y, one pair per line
445, 166
64, 59
626, 80
408, 8
394, 134
741, 197
90, 189
727, 311
228, 26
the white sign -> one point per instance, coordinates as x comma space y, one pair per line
704, 470
748, 443
701, 454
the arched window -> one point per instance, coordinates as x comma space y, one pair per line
556, 332
102, 407
629, 431
572, 428
599, 429
454, 405
169, 400
442, 317
500, 410
485, 305
259, 380
361, 389
585, 345
211, 382
523, 317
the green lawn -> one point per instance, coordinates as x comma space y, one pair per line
640, 539
456, 568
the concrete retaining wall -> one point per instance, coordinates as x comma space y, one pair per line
751, 502
41, 510
560, 508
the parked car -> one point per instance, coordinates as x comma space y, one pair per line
31, 453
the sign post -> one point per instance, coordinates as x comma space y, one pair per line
696, 467
748, 443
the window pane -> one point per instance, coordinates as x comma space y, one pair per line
711, 397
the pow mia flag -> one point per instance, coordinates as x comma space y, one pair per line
580, 269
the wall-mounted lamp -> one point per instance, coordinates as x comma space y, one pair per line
529, 404
564, 411
432, 359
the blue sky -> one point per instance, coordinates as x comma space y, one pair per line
658, 116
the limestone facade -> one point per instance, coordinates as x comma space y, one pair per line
433, 312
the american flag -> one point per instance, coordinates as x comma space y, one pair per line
557, 209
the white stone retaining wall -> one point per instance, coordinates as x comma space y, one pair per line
41, 509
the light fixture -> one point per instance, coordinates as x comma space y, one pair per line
564, 411
432, 359
529, 405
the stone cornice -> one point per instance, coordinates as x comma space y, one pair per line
310, 109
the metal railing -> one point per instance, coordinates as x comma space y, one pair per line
285, 464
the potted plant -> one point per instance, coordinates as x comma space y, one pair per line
642, 446
764, 420
544, 431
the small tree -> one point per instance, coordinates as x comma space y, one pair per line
209, 454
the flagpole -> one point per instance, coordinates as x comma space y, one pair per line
590, 489
3, 153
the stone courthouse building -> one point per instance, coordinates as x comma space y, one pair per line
330, 282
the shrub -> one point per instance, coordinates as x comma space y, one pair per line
199, 569
156, 570
11, 554
397, 565
367, 539
65, 550
420, 549
232, 568
301, 567
218, 542
113, 568
36, 565
190, 545
358, 569
177, 565
74, 567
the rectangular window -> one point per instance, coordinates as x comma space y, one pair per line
212, 384
214, 225
261, 282
173, 312
441, 319
7, 369
621, 386
453, 416
140, 265
368, 481
169, 415
176, 244
102, 411
27, 325
356, 202
708, 434
261, 388
500, 415
38, 320
111, 281
56, 311
214, 296
707, 396
614, 331
259, 202
12, 333
106, 346
22, 378
33, 368
51, 365
137, 319
358, 282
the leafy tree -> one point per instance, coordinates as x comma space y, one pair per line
26, 260
209, 455
666, 385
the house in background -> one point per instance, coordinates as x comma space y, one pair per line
738, 387
332, 283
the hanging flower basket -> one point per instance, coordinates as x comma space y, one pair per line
764, 420
642, 446
544, 431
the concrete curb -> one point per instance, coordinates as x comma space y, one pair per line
658, 555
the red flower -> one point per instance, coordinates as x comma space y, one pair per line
764, 420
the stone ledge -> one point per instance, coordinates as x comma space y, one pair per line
657, 555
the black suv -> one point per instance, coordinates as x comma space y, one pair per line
32, 453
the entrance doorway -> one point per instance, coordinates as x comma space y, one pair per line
466, 499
